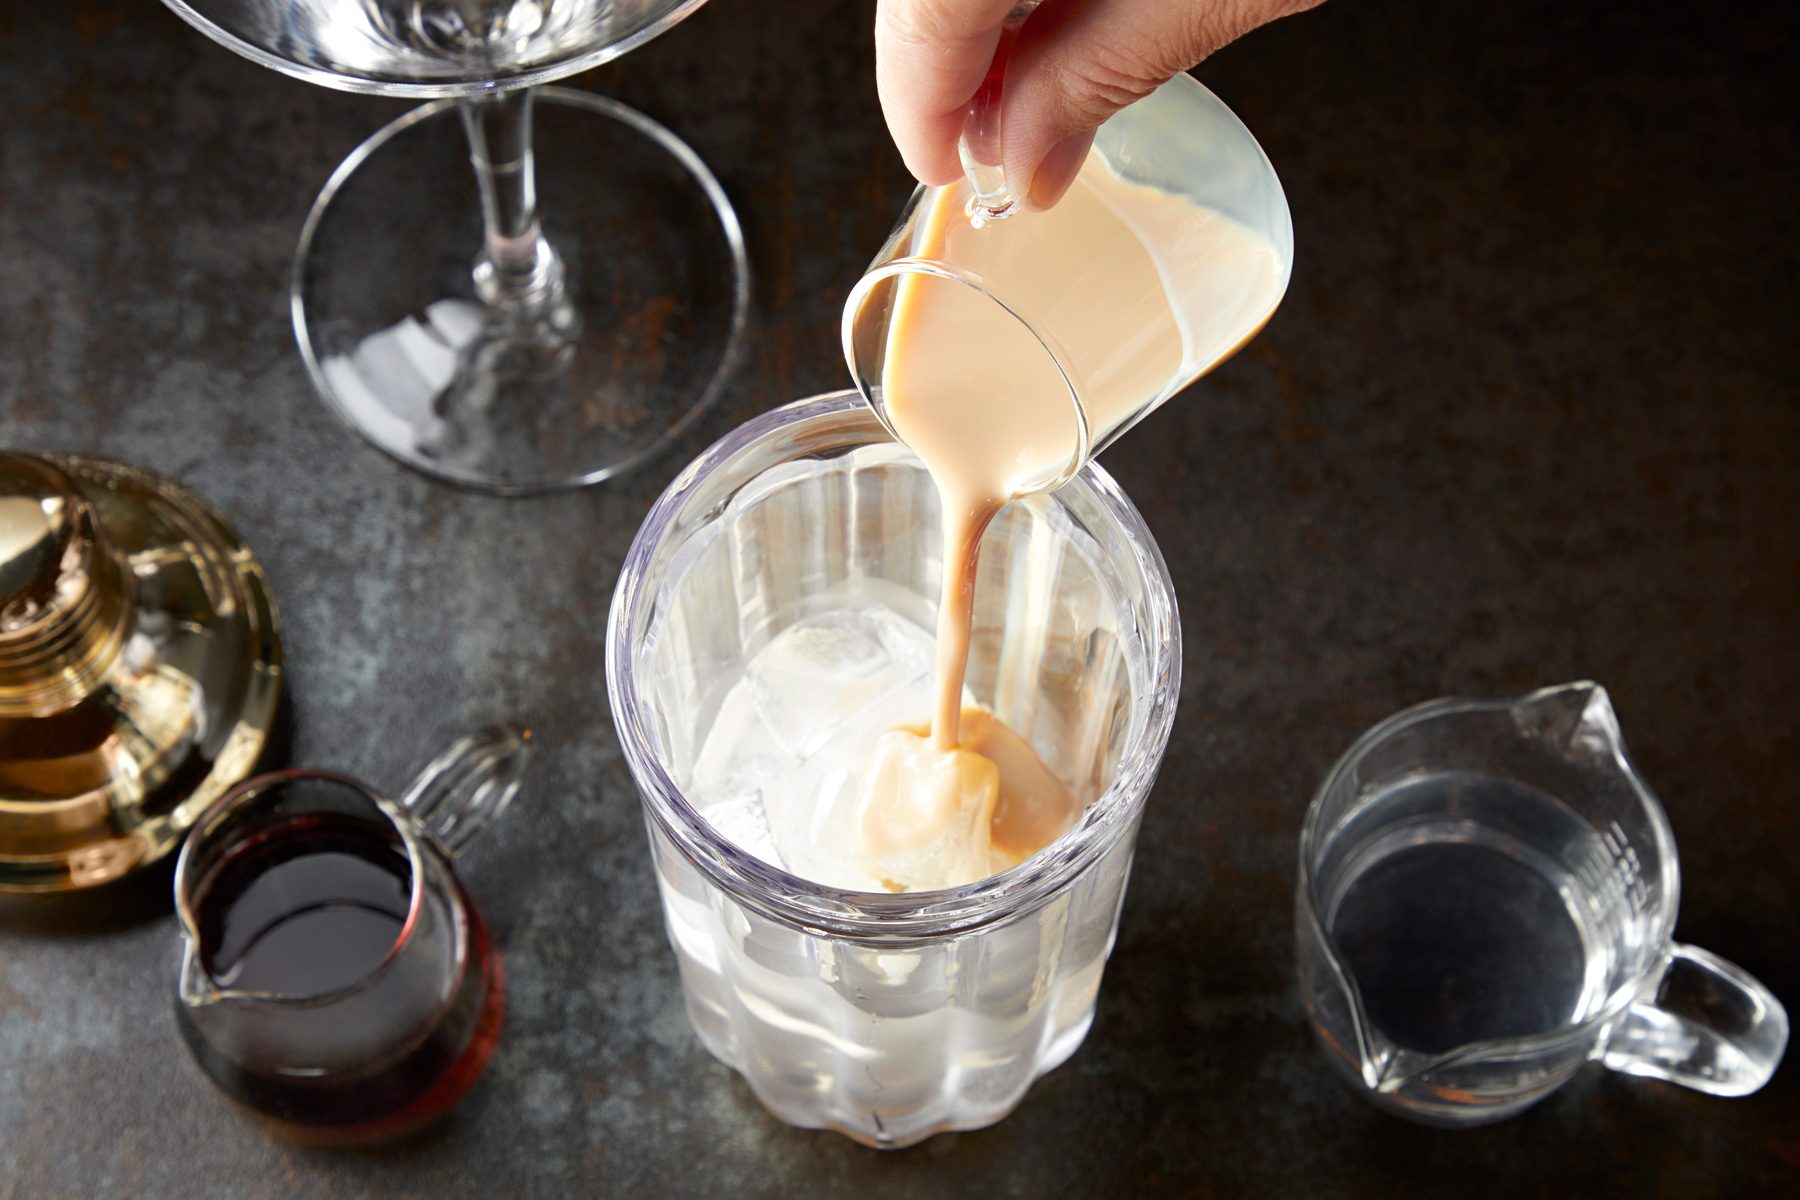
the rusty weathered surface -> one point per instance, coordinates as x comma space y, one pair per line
1528, 414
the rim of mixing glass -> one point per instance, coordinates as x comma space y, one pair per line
879, 916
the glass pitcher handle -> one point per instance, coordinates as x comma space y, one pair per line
983, 156
1708, 1025
468, 785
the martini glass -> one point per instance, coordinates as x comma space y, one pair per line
500, 319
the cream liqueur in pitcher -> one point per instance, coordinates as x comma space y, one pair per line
971, 393
911, 785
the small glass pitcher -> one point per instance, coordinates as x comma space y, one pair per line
1486, 899
335, 976
1050, 291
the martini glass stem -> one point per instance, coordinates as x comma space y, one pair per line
518, 268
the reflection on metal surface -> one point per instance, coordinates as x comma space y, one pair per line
139, 668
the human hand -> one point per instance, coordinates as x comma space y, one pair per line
1076, 63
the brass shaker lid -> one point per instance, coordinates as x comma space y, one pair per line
139, 667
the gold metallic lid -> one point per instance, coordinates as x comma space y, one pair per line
140, 666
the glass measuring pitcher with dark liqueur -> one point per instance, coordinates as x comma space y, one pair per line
337, 979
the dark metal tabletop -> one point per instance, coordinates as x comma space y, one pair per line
1530, 413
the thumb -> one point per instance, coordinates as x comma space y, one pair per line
1078, 62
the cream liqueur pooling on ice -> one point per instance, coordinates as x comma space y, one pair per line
892, 800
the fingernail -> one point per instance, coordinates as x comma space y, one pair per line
1059, 168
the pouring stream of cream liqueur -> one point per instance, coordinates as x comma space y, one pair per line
971, 392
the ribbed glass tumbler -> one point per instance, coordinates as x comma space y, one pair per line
890, 1017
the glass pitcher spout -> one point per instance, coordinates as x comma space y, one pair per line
1357, 1046
1577, 721
1389, 1069
194, 987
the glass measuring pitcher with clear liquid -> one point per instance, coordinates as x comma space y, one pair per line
1170, 251
1486, 900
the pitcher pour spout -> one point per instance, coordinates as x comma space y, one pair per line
194, 986
1389, 1068
1338, 1016
1574, 719
1384, 1066
1371, 1058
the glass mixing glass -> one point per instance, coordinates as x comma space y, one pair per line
889, 1016
1186, 161
467, 331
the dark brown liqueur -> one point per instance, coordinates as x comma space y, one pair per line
311, 906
